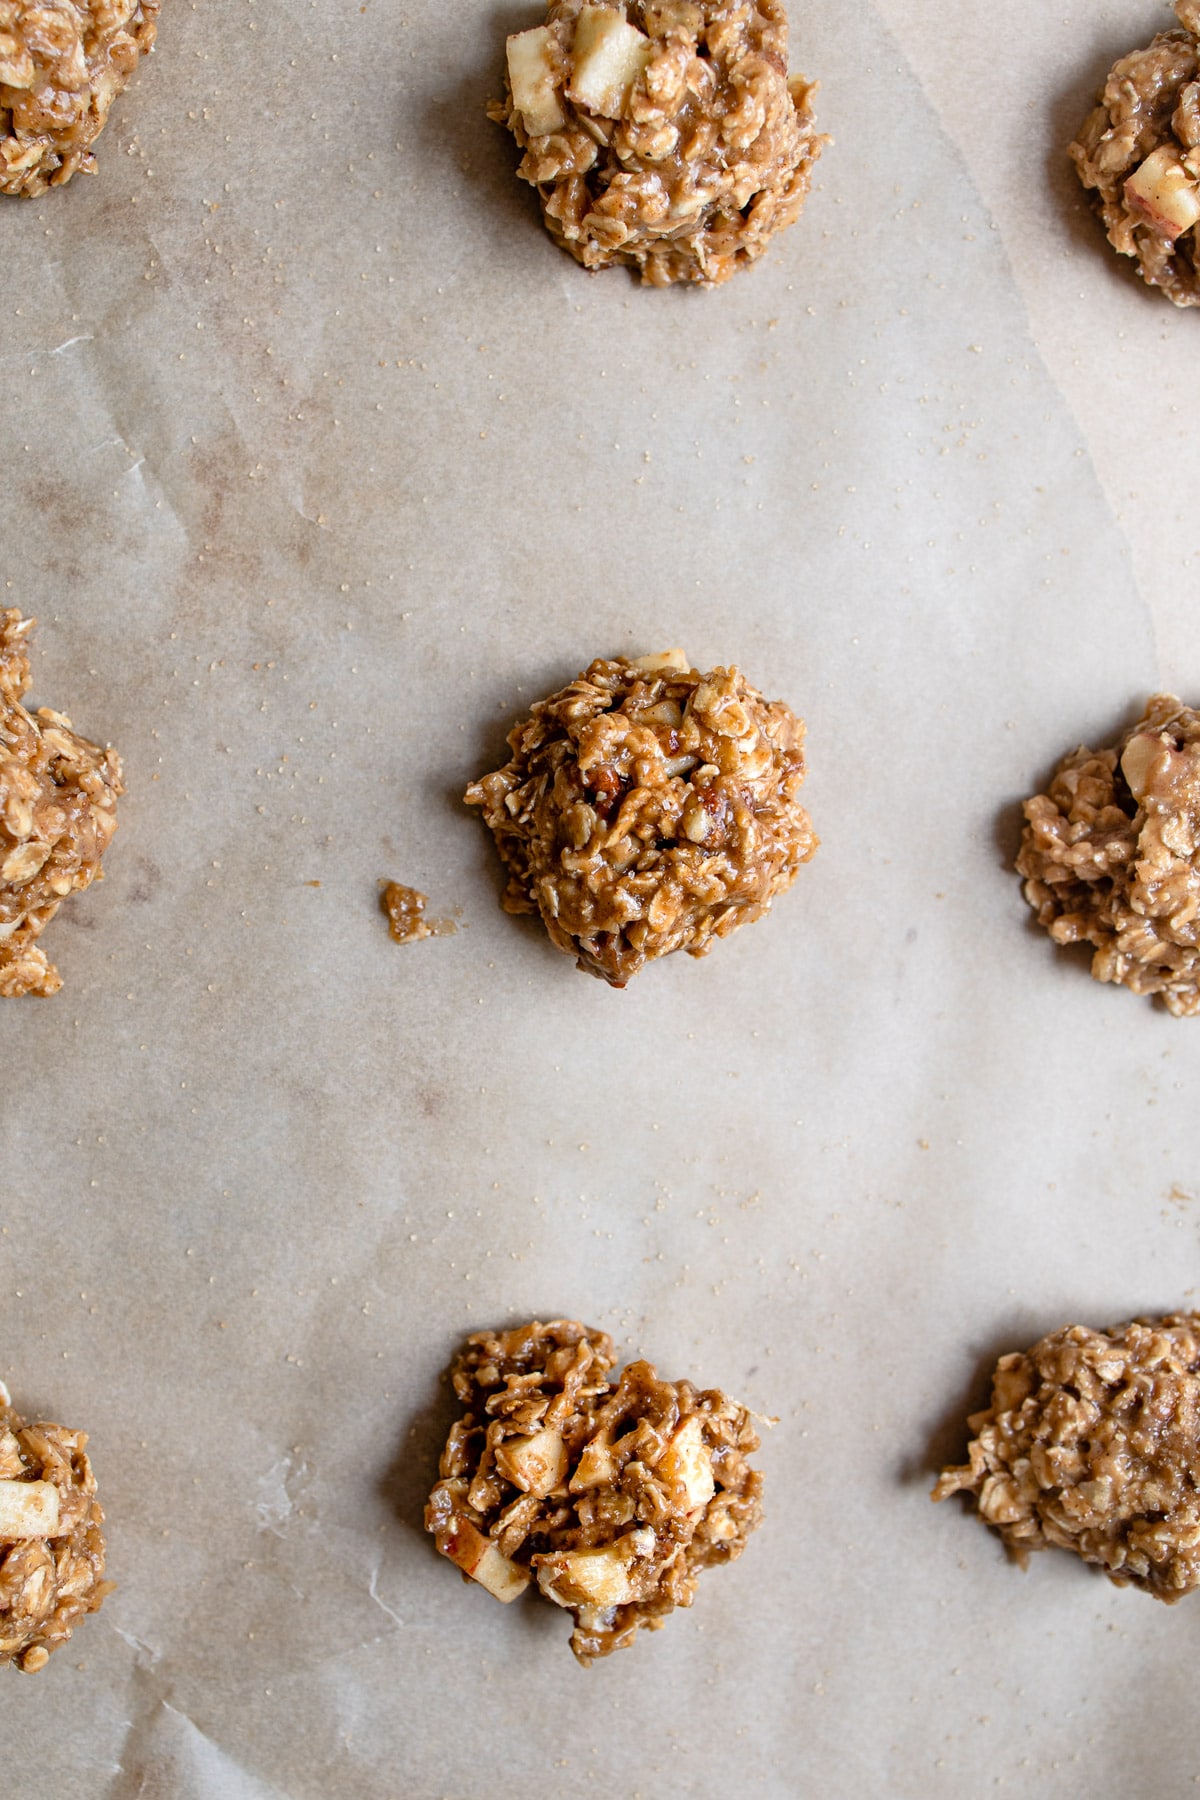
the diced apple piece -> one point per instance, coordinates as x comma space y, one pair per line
479, 1558
687, 1464
1138, 761
535, 1464
531, 77
1165, 195
608, 57
588, 1577
597, 1465
28, 1509
670, 662
501, 1576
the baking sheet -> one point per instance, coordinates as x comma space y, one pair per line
323, 462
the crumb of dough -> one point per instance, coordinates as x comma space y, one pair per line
62, 64
405, 911
663, 134
611, 1495
1092, 1443
1111, 855
51, 1541
58, 812
1139, 150
648, 808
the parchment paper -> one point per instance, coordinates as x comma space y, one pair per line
322, 462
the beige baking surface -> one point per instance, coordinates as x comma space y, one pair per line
321, 461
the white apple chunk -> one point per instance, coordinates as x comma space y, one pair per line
589, 1577
1141, 757
531, 78
671, 662
28, 1509
608, 57
537, 1464
597, 1465
687, 1464
479, 1558
1164, 194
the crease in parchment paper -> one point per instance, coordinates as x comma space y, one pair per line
1054, 250
173, 1759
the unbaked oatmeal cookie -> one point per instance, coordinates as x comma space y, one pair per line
663, 134
51, 1538
1111, 855
1092, 1444
612, 1495
62, 64
1139, 152
649, 808
58, 811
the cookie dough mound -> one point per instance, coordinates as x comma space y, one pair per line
664, 134
1140, 153
1111, 855
58, 811
51, 1542
612, 1495
62, 64
1092, 1443
649, 808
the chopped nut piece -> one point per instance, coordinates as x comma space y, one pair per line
1111, 855
62, 64
51, 1542
663, 134
1139, 151
648, 808
652, 1484
58, 812
1092, 1443
405, 909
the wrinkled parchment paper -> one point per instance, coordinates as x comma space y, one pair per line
321, 463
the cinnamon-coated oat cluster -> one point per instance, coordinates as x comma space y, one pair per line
1092, 1443
62, 64
1139, 153
51, 1541
58, 812
612, 1495
663, 134
649, 808
1111, 855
